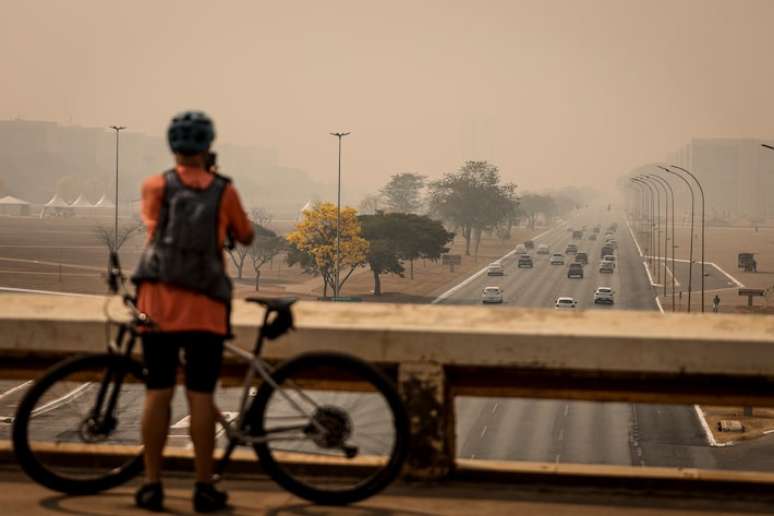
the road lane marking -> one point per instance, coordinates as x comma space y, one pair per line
650, 278
707, 431
67, 398
556, 460
658, 304
15, 389
494, 409
566, 409
560, 437
469, 279
48, 292
639, 249
483, 432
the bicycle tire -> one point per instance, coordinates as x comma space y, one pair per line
344, 363
27, 458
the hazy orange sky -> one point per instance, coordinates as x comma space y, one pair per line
554, 92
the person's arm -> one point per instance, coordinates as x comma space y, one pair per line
152, 196
238, 223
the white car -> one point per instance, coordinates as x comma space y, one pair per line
612, 243
495, 269
492, 295
521, 248
565, 303
609, 258
543, 249
604, 295
557, 259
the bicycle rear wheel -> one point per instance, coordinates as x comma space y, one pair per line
336, 429
66, 410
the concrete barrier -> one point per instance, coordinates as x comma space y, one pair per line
438, 352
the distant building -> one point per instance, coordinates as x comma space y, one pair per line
10, 205
737, 176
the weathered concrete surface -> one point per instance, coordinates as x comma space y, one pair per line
258, 496
448, 335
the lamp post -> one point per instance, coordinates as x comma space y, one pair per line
651, 223
701, 191
670, 196
690, 252
767, 146
338, 218
657, 218
117, 129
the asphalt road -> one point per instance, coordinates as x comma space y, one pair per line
589, 432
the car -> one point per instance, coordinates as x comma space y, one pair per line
609, 258
557, 259
565, 303
606, 250
581, 258
604, 295
575, 271
593, 236
606, 267
597, 229
492, 295
577, 234
571, 249
495, 269
525, 261
543, 249
521, 248
529, 244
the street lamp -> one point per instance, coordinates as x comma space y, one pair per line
646, 178
117, 129
701, 190
670, 196
651, 223
338, 219
690, 253
767, 146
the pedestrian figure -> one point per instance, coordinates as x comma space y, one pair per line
716, 304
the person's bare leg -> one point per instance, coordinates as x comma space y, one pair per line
155, 426
202, 431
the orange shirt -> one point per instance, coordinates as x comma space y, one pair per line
174, 308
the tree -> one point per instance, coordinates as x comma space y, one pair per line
370, 204
238, 256
533, 204
472, 199
313, 244
265, 246
403, 193
106, 234
384, 232
421, 237
261, 216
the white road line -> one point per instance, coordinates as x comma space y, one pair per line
650, 278
469, 279
494, 409
672, 274
658, 303
736, 281
15, 389
566, 410
707, 431
483, 432
48, 292
53, 405
556, 460
639, 249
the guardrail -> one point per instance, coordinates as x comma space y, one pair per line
438, 352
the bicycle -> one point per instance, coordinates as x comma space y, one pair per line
87, 402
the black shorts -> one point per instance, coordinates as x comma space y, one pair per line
203, 353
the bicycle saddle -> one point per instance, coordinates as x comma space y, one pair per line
277, 304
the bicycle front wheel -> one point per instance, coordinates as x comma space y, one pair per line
88, 408
335, 429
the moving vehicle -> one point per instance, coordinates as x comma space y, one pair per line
593, 236
607, 267
565, 303
543, 249
597, 229
102, 412
603, 295
495, 269
575, 271
609, 258
581, 258
491, 295
525, 261
577, 234
606, 250
529, 244
571, 249
557, 259
521, 248
612, 243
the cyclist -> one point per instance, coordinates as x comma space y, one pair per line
183, 287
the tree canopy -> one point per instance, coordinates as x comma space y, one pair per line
313, 244
403, 193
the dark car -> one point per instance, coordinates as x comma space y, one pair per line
529, 244
606, 250
575, 271
525, 261
577, 235
582, 258
593, 236
571, 249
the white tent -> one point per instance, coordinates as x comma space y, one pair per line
56, 207
81, 202
10, 205
104, 202
309, 206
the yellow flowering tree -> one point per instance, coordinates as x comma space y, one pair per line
313, 244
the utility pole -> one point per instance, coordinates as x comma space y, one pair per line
701, 191
690, 253
117, 129
338, 219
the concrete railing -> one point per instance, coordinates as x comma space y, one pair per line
438, 352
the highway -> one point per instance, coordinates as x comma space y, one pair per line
584, 432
